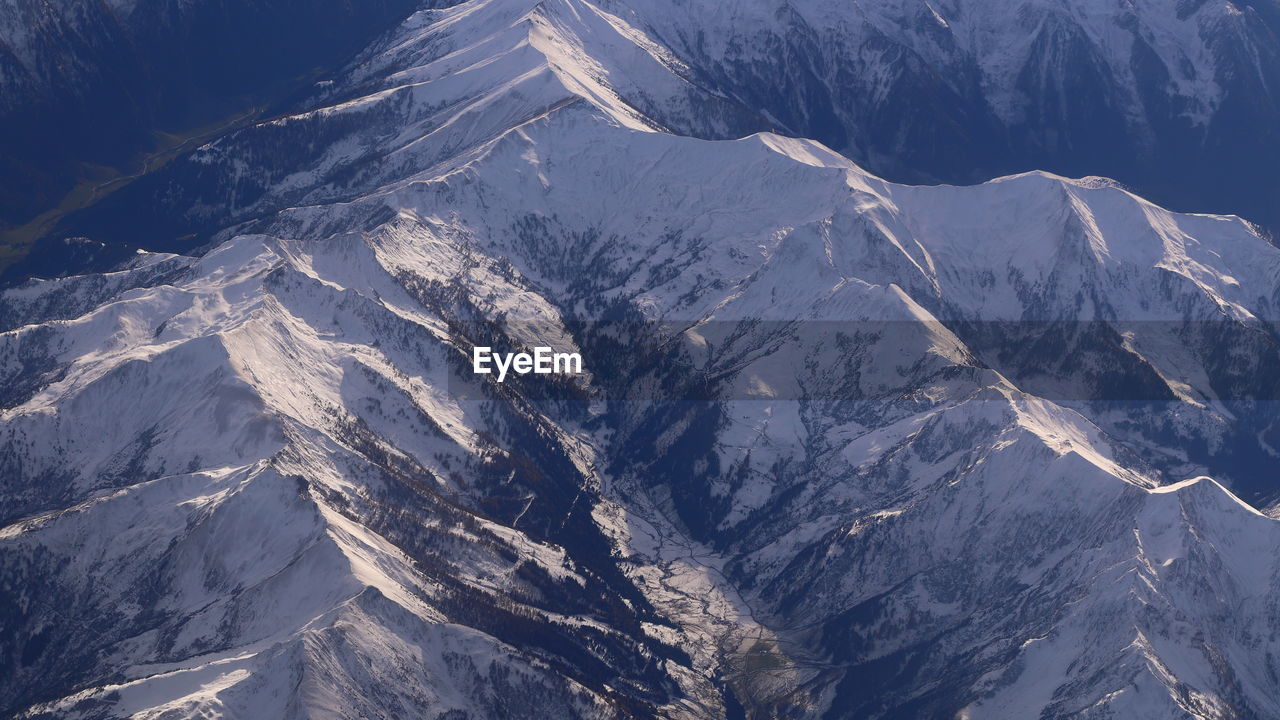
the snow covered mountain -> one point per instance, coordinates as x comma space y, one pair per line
963, 90
845, 448
958, 91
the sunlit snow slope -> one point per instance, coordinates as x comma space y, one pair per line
844, 448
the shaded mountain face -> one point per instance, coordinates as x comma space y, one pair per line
85, 84
844, 448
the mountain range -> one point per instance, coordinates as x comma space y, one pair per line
844, 447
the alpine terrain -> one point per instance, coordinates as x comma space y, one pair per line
842, 448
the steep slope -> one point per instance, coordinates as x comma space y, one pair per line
822, 462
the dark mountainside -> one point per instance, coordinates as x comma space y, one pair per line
87, 87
